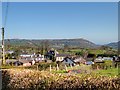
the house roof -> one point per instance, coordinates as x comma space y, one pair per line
25, 61
80, 59
98, 61
68, 59
18, 62
62, 55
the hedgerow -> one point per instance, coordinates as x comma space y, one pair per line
24, 79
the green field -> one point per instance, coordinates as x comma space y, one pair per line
108, 72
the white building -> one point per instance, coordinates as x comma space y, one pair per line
26, 55
60, 57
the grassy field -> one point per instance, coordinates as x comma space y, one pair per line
108, 72
95, 51
83, 69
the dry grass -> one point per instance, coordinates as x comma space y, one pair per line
43, 80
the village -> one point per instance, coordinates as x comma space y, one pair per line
54, 56
59, 45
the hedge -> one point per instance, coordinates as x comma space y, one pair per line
22, 79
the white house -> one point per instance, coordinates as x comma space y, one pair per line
60, 57
103, 58
40, 58
25, 55
107, 58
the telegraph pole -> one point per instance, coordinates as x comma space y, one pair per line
3, 48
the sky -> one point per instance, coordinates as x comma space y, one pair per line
94, 21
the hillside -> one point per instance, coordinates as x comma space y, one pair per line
58, 43
113, 45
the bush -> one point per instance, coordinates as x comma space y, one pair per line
22, 79
44, 66
105, 65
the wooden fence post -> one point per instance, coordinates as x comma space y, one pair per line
57, 67
97, 67
50, 68
66, 68
71, 66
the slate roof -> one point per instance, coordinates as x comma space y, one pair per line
62, 55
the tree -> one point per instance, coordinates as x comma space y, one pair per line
66, 47
17, 53
46, 44
42, 49
79, 53
105, 47
8, 56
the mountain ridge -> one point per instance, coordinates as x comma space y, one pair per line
75, 42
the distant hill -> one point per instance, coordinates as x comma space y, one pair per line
58, 43
113, 45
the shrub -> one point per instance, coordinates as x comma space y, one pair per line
105, 65
44, 66
14, 79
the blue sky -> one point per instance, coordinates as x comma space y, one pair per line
97, 22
